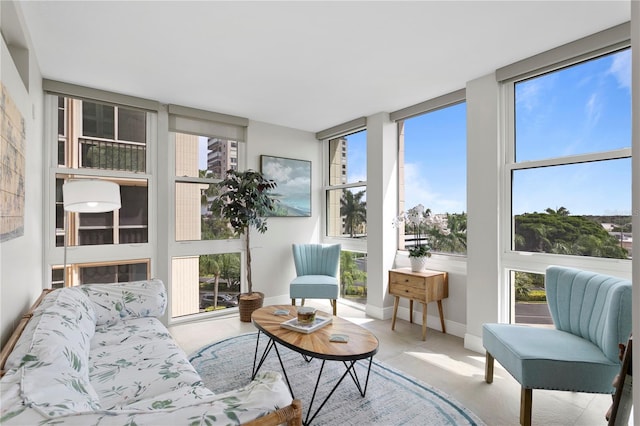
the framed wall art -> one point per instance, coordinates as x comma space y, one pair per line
13, 151
293, 190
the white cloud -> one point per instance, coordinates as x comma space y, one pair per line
528, 95
593, 109
621, 69
418, 191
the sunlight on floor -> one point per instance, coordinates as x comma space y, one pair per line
446, 363
358, 320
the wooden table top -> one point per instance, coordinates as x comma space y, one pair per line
362, 343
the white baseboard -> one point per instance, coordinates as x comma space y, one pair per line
473, 343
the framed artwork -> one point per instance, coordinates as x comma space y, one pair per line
12, 185
293, 190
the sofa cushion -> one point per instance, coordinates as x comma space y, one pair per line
54, 349
119, 301
137, 359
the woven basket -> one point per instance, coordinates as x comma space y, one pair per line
249, 302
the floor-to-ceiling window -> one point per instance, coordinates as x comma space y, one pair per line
205, 252
568, 173
104, 140
346, 209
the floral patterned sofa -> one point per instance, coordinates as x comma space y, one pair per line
97, 354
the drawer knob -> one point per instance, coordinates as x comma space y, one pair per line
406, 280
406, 291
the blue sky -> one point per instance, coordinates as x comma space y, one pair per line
581, 109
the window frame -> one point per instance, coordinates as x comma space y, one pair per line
92, 254
348, 244
198, 123
432, 105
510, 259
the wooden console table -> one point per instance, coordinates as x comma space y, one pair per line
424, 287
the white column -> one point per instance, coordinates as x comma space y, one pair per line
382, 200
483, 205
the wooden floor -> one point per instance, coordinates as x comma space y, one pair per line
440, 361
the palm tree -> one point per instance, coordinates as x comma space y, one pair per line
456, 239
354, 210
349, 271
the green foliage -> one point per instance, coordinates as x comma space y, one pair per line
350, 274
561, 233
353, 210
529, 287
244, 201
537, 296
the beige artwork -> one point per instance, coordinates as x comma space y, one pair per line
12, 168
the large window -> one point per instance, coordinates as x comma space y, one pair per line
205, 253
347, 190
570, 163
96, 140
346, 207
432, 173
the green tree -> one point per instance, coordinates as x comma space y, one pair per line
354, 210
455, 240
524, 282
349, 271
559, 232
209, 266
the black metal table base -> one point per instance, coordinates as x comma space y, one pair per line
349, 369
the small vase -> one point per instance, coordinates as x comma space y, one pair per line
418, 264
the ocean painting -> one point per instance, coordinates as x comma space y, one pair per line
293, 190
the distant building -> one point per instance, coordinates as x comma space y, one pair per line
222, 156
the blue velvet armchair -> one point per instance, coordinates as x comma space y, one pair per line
317, 267
592, 315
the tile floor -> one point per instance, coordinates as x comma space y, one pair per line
441, 361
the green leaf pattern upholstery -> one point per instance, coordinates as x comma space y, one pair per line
96, 354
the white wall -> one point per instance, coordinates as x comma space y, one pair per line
21, 265
271, 258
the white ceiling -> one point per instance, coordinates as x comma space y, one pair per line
305, 65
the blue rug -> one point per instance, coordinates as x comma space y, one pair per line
392, 397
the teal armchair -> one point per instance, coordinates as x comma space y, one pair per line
317, 270
592, 315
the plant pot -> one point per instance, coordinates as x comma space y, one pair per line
418, 264
249, 302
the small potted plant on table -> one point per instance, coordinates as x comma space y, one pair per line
416, 219
244, 201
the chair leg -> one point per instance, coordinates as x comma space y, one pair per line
302, 302
526, 397
488, 368
293, 302
334, 303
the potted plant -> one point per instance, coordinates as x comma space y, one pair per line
416, 218
244, 201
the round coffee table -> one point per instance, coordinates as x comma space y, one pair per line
362, 344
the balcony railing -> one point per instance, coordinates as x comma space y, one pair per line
109, 155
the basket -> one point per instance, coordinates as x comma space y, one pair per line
249, 302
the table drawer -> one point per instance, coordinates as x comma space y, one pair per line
408, 286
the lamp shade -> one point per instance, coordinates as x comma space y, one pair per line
91, 196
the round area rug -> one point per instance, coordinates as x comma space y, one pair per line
392, 398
